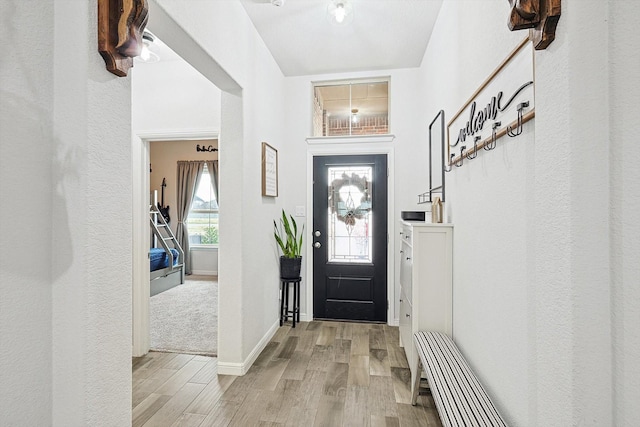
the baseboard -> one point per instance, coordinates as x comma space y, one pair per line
204, 273
239, 369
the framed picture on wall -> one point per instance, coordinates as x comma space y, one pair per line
269, 170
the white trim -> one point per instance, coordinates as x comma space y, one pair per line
204, 248
354, 149
178, 134
140, 176
239, 369
379, 79
141, 340
353, 139
203, 273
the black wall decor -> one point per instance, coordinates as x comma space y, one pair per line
437, 142
210, 148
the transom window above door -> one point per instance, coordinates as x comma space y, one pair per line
351, 108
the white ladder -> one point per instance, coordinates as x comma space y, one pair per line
163, 234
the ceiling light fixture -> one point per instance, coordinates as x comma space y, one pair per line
147, 55
354, 115
340, 11
277, 2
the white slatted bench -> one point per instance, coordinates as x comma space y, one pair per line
459, 397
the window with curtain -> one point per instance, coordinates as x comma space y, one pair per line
202, 221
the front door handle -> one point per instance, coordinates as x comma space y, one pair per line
317, 245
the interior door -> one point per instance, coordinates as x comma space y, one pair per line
350, 237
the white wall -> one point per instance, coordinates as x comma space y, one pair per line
542, 286
66, 272
625, 205
26, 149
171, 96
66, 321
204, 261
252, 112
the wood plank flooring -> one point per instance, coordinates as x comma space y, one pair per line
318, 374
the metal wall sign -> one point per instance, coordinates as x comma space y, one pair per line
500, 106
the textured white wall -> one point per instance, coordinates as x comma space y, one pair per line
487, 200
65, 309
544, 294
26, 202
92, 272
172, 96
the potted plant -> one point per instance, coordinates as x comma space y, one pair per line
290, 243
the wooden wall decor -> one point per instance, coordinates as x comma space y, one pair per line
120, 27
541, 16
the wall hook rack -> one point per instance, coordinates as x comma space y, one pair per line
472, 154
491, 144
513, 133
449, 168
462, 155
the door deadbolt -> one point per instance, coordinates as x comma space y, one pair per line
317, 233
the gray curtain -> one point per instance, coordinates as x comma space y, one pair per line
212, 165
189, 174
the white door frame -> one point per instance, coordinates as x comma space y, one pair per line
343, 146
141, 232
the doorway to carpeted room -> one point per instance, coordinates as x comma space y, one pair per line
184, 319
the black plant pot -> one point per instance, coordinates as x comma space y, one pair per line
290, 267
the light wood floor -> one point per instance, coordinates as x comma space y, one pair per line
318, 374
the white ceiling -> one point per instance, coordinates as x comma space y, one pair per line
384, 34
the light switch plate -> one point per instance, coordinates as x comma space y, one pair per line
300, 211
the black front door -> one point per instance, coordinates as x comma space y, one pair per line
350, 237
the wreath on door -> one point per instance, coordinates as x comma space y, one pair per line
346, 210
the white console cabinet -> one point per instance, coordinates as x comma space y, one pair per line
426, 285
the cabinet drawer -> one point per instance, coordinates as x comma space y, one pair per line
407, 233
406, 269
404, 322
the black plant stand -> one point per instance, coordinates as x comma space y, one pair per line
284, 301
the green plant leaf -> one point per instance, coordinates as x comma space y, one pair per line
287, 237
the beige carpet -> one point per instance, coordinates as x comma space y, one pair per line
184, 319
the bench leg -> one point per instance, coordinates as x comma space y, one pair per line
416, 384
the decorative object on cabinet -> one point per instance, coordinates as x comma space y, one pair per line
120, 27
269, 170
541, 16
436, 211
290, 243
426, 283
436, 161
506, 96
413, 215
